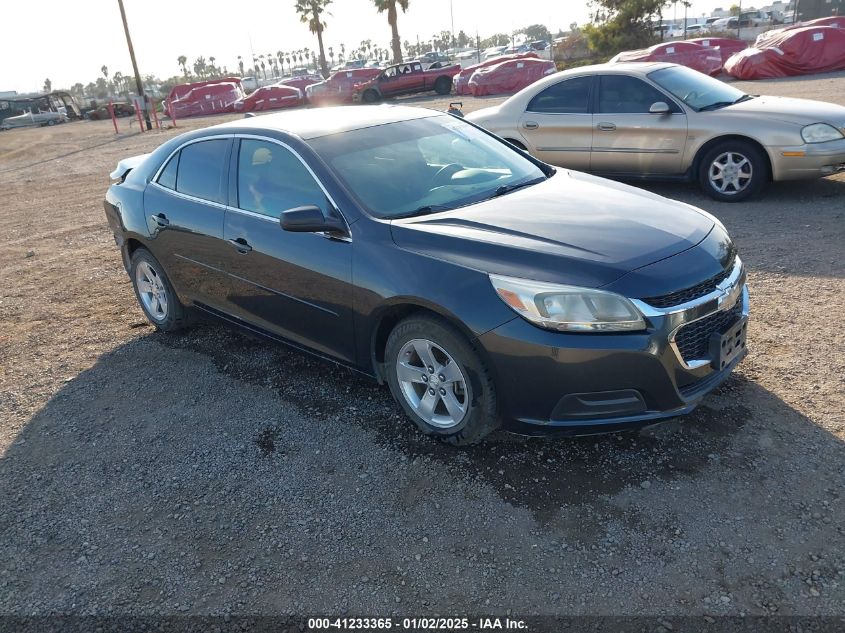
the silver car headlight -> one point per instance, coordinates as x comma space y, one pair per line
568, 308
820, 133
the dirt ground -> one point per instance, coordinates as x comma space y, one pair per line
210, 473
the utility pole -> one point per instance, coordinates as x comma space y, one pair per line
138, 83
452, 14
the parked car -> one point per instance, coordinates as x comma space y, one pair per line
401, 79
694, 30
704, 59
659, 120
270, 98
339, 87
493, 51
33, 119
102, 112
483, 285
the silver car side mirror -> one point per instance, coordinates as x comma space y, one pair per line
660, 107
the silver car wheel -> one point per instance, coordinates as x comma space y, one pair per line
730, 173
432, 383
151, 291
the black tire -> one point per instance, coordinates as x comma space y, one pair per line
176, 315
51, 122
481, 416
370, 96
736, 151
443, 85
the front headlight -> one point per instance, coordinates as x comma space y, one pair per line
568, 308
820, 133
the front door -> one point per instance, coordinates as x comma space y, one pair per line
557, 125
296, 285
627, 139
185, 210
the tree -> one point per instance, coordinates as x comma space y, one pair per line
537, 32
734, 10
212, 59
392, 15
105, 70
241, 65
619, 25
182, 61
499, 39
117, 81
48, 85
463, 39
101, 90
200, 66
310, 13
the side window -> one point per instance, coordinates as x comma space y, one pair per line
620, 94
272, 180
201, 169
571, 96
167, 178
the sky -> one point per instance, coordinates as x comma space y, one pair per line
69, 42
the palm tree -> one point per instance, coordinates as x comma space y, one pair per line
390, 7
105, 70
310, 13
241, 65
48, 85
117, 79
212, 59
200, 66
331, 54
182, 61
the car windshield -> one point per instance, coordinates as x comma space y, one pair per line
424, 165
697, 90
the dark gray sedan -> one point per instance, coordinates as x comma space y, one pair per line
484, 286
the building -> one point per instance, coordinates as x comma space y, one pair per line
812, 9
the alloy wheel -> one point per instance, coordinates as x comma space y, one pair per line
432, 383
151, 290
730, 173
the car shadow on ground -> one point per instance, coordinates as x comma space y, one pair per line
137, 470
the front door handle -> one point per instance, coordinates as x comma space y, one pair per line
607, 127
161, 220
531, 125
241, 245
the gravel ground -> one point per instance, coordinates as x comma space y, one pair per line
210, 473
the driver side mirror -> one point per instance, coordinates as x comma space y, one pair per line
310, 219
660, 107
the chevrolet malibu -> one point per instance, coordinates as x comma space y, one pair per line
662, 121
485, 287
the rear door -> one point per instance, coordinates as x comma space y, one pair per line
558, 123
185, 210
296, 285
627, 139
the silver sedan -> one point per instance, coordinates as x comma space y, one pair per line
664, 121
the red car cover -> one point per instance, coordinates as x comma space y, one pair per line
301, 82
704, 59
209, 99
725, 45
836, 21
177, 92
339, 87
802, 51
270, 98
509, 76
461, 81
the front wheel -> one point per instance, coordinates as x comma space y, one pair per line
155, 293
732, 171
369, 96
440, 381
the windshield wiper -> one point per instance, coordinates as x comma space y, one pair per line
744, 98
716, 105
500, 191
424, 210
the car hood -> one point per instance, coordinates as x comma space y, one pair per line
799, 111
572, 228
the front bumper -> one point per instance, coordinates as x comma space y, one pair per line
812, 160
582, 384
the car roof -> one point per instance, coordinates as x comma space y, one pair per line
627, 68
315, 122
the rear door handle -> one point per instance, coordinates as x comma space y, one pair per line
161, 220
531, 125
241, 245
607, 127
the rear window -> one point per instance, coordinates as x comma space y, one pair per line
571, 96
168, 174
201, 169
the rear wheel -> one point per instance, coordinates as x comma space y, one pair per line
369, 96
732, 171
443, 85
155, 293
440, 381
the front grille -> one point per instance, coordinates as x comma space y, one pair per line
693, 292
693, 339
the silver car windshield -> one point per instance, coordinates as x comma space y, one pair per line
424, 165
696, 89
